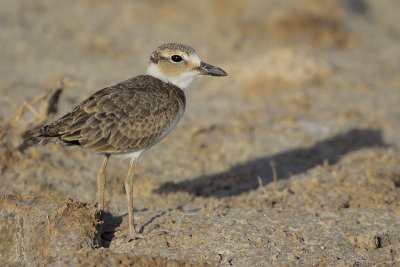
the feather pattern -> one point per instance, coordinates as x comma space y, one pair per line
130, 116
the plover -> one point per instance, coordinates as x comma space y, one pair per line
129, 117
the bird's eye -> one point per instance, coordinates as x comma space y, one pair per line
176, 58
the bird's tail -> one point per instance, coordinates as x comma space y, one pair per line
39, 135
32, 137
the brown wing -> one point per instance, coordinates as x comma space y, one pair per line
126, 117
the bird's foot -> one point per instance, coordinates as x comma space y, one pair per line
132, 234
136, 236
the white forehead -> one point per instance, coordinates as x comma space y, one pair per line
194, 58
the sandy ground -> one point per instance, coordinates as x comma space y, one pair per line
293, 159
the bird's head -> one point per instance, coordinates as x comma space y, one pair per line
179, 64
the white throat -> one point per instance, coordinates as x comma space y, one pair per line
182, 80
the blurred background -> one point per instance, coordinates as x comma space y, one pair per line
311, 83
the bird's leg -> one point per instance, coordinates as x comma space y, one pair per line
101, 182
129, 197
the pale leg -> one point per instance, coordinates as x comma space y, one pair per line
129, 197
101, 182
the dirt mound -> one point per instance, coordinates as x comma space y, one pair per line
39, 230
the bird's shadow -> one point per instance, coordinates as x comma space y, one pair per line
108, 228
245, 176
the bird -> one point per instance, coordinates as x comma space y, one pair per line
128, 118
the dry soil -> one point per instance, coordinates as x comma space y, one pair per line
292, 159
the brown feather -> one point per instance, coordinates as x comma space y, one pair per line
129, 116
